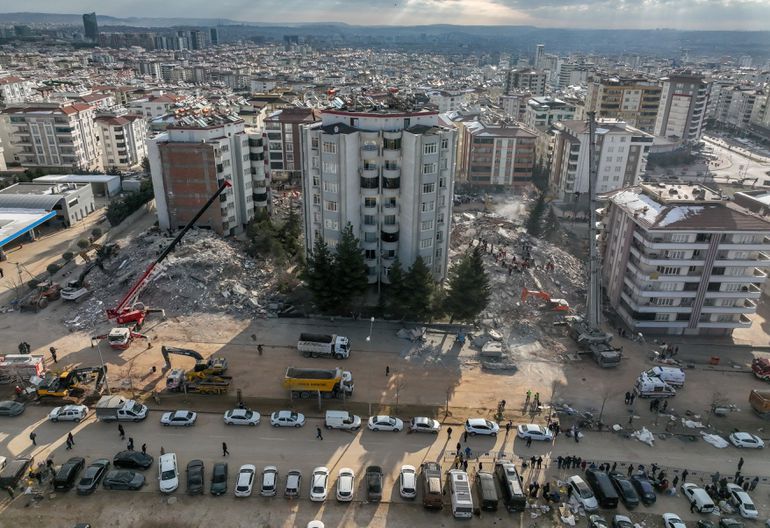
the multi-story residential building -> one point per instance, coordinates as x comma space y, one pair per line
514, 105
189, 161
283, 134
123, 140
55, 135
158, 104
390, 174
542, 112
735, 106
682, 108
15, 90
621, 157
681, 260
632, 100
525, 79
91, 27
498, 155
447, 101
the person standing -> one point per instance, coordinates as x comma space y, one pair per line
740, 464
130, 443
465, 437
459, 447
684, 476
70, 438
508, 427
318, 434
448, 432
633, 397
144, 449
260, 349
122, 432
225, 452
628, 398
52, 350
754, 483
539, 462
33, 437
387, 370
69, 444
529, 441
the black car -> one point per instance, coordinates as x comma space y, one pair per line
219, 479
132, 460
644, 489
625, 490
68, 472
11, 408
195, 477
123, 479
373, 483
92, 476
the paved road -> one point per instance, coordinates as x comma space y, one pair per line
298, 449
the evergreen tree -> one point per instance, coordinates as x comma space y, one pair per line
551, 227
534, 222
396, 293
319, 276
469, 290
419, 287
290, 233
350, 271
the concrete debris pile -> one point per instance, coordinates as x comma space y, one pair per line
205, 273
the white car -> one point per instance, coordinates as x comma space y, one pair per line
245, 481
584, 495
242, 417
68, 413
315, 524
407, 482
168, 474
422, 424
535, 432
746, 440
672, 520
346, 485
385, 423
318, 484
482, 426
269, 481
179, 418
287, 419
742, 501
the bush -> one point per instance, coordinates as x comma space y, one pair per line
68, 255
120, 209
33, 283
52, 268
96, 233
83, 243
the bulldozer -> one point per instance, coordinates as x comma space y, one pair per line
556, 305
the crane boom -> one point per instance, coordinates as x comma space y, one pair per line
123, 312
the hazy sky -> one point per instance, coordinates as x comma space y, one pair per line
678, 14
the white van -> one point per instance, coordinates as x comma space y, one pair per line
698, 497
168, 475
462, 500
342, 420
653, 387
672, 375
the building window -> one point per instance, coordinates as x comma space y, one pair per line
668, 270
330, 187
662, 301
444, 163
369, 220
444, 143
430, 148
679, 237
316, 217
370, 237
316, 180
370, 202
331, 224
429, 168
676, 255
426, 243
331, 206
316, 199
314, 143
661, 317
389, 220
428, 207
329, 147
428, 187
330, 167
426, 225
370, 254
442, 183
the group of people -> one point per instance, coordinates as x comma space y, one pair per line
515, 264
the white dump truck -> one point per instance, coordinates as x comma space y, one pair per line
324, 345
117, 408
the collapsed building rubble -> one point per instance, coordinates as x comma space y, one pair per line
205, 273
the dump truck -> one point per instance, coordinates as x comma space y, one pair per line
760, 402
324, 345
117, 408
180, 381
329, 383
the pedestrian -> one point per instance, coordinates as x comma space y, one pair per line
583, 465
692, 507
754, 483
633, 397
122, 432
665, 405
559, 460
225, 452
318, 434
144, 449
556, 430
481, 466
652, 405
675, 481
508, 427
577, 436
448, 432
684, 476
459, 447
628, 398
71, 438
539, 462
630, 419
130, 443
614, 467
578, 461
387, 370
529, 395
532, 461
33, 436
162, 451
740, 464
736, 477
49, 464
53, 354
467, 452
465, 465
69, 444
9, 489
529, 441
537, 399
715, 478
465, 437
630, 469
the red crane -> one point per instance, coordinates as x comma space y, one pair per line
129, 310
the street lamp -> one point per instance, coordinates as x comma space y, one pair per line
371, 325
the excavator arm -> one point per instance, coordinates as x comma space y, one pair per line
167, 351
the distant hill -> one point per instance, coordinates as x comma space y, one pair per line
77, 19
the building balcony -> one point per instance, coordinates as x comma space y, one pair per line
390, 237
386, 246
391, 174
369, 209
655, 259
370, 182
370, 173
762, 260
748, 291
658, 242
746, 306
390, 209
646, 289
653, 308
390, 229
372, 245
391, 154
394, 134
742, 322
369, 228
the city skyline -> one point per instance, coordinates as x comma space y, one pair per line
747, 15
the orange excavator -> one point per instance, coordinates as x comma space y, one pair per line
557, 305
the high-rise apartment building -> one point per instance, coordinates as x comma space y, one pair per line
539, 55
525, 79
283, 134
496, 155
55, 135
542, 112
682, 109
632, 100
122, 139
389, 173
15, 90
621, 157
189, 161
91, 28
735, 106
680, 260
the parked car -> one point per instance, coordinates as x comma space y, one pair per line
242, 417
346, 485
622, 521
672, 520
293, 483
195, 477
287, 419
698, 497
482, 426
597, 521
582, 493
68, 472
123, 479
407, 482
644, 489
92, 476
373, 479
422, 424
625, 490
179, 418
11, 408
385, 423
746, 440
245, 481
742, 501
534, 431
132, 460
219, 479
168, 473
269, 481
318, 484
68, 413
729, 522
